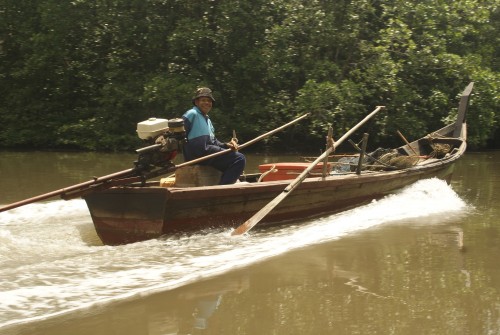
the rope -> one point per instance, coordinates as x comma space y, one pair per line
264, 174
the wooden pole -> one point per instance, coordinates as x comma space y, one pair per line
362, 154
67, 189
358, 149
329, 143
407, 143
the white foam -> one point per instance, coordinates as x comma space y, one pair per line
47, 269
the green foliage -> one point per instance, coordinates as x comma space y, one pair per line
80, 74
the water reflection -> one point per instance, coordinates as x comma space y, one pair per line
187, 310
203, 301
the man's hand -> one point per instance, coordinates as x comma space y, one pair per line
233, 145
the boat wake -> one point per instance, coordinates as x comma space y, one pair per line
53, 263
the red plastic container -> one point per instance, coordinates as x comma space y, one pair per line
290, 170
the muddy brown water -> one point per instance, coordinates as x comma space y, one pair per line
422, 261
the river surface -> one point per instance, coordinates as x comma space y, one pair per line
422, 261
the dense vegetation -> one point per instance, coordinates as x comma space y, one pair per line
80, 74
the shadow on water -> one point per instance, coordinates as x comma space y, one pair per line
89, 236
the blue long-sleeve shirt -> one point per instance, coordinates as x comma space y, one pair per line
201, 140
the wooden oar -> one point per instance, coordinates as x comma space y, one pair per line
257, 217
127, 174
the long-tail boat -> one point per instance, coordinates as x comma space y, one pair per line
146, 210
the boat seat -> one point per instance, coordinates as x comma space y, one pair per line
197, 175
446, 140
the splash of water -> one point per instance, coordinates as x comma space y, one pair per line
52, 262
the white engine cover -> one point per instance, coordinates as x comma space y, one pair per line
151, 128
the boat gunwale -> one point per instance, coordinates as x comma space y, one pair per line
311, 182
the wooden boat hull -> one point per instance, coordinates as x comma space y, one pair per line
129, 214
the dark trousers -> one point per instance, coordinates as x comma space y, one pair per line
231, 165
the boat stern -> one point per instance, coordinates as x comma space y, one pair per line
121, 216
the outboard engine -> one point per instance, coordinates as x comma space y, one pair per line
164, 138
